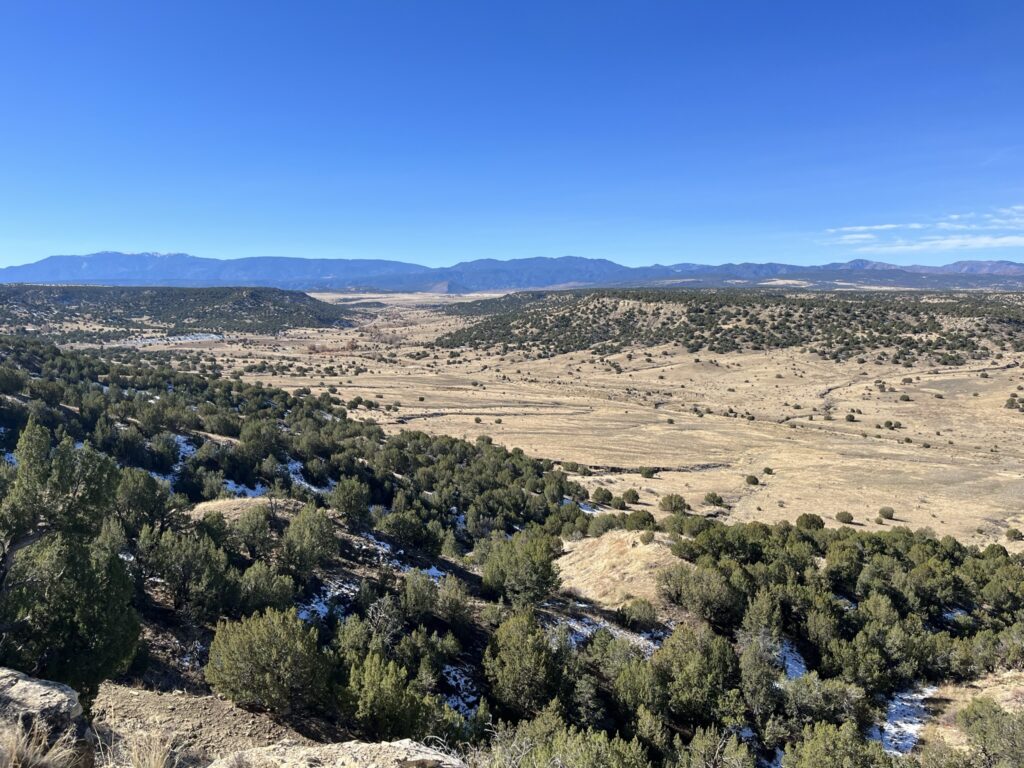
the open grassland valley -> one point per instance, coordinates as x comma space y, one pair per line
624, 528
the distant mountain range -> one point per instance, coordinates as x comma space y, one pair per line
183, 270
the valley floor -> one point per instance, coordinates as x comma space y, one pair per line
705, 422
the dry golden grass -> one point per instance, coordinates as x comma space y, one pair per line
232, 509
1005, 688
615, 567
967, 482
32, 748
140, 749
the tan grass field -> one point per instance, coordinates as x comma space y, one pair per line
615, 567
1006, 688
232, 509
961, 473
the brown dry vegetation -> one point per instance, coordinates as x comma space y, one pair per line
232, 509
1006, 688
961, 473
615, 567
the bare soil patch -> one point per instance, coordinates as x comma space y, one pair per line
201, 728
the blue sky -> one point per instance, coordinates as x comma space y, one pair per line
437, 131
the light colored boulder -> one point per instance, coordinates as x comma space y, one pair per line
27, 701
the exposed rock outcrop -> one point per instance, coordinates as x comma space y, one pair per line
30, 702
349, 754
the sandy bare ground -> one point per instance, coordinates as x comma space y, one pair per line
201, 728
955, 465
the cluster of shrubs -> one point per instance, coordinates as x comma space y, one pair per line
900, 328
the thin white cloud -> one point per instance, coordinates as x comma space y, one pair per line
969, 230
951, 243
855, 237
865, 228
1006, 218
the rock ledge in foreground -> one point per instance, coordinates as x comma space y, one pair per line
27, 701
348, 754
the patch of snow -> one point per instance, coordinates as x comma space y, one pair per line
465, 697
195, 657
904, 718
10, 458
378, 544
383, 551
586, 508
332, 598
435, 573
185, 447
582, 628
749, 736
244, 490
295, 472
792, 660
953, 614
460, 518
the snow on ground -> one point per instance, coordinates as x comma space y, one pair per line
586, 508
466, 696
904, 719
749, 737
332, 598
185, 450
460, 518
185, 447
582, 628
295, 471
434, 572
383, 551
244, 490
8, 455
195, 656
792, 660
